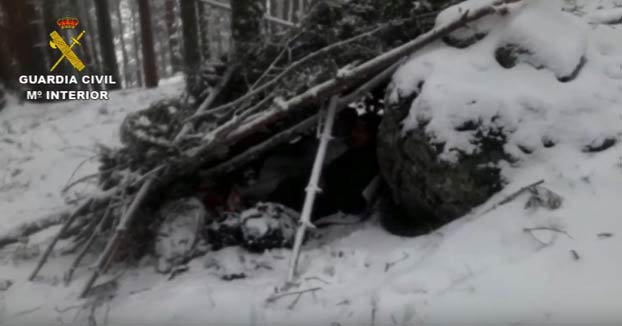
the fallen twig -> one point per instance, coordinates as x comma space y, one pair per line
512, 196
25, 230
548, 228
78, 212
276, 297
575, 254
87, 245
389, 265
317, 279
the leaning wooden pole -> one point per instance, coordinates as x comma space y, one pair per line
121, 229
313, 188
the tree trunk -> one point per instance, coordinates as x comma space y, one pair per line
137, 59
93, 40
146, 32
246, 21
301, 10
203, 30
126, 69
106, 42
173, 35
23, 36
7, 77
291, 9
92, 67
192, 54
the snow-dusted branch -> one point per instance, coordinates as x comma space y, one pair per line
295, 65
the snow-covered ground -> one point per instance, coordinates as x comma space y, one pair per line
484, 268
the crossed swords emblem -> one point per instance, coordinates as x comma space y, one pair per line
57, 42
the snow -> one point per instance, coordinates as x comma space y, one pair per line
527, 102
41, 145
483, 268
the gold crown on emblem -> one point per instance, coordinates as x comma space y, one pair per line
68, 22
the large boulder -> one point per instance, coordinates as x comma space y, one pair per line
459, 120
425, 188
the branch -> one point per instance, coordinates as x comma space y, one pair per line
28, 229
275, 61
80, 180
98, 230
112, 245
347, 80
288, 70
284, 136
512, 196
276, 297
78, 212
313, 187
208, 101
548, 228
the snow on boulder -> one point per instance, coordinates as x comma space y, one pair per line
456, 117
608, 16
473, 32
543, 37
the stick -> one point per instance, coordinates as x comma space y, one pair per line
288, 70
87, 245
27, 229
122, 227
275, 61
512, 196
276, 297
284, 136
79, 180
312, 188
76, 171
548, 228
208, 101
78, 212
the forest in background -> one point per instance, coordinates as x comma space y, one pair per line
137, 42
